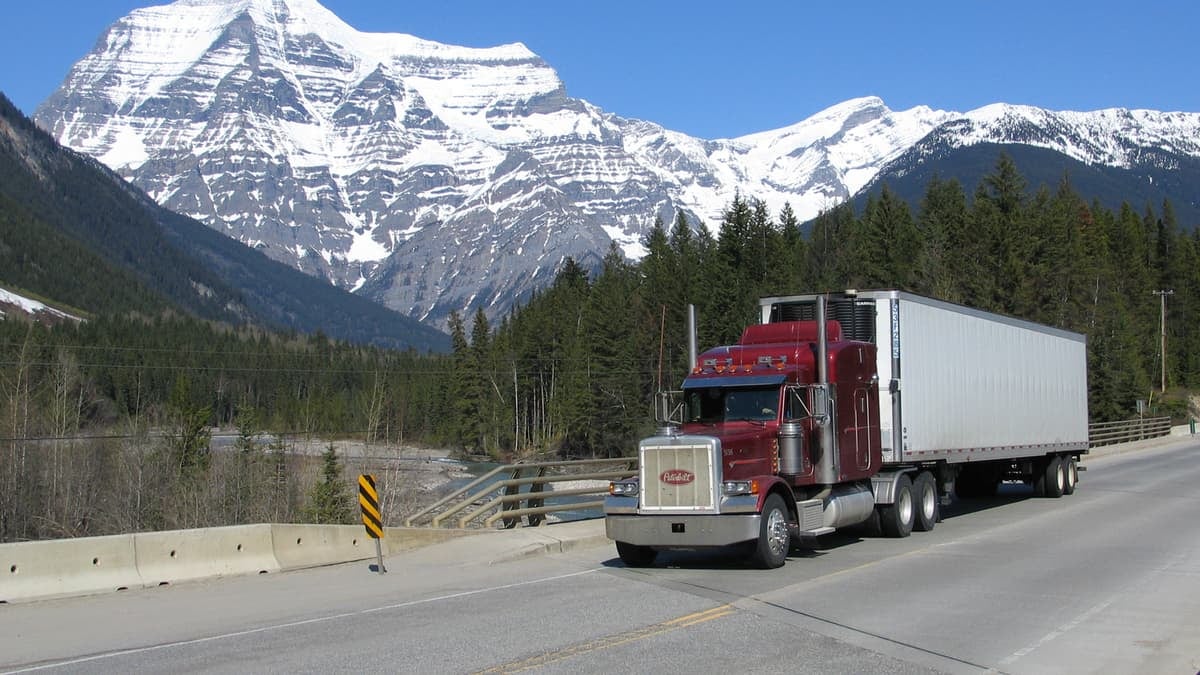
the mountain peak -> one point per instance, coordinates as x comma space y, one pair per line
435, 178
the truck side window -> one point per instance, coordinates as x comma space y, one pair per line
796, 408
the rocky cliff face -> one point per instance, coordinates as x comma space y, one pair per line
431, 177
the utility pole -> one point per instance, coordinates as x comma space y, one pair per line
1162, 295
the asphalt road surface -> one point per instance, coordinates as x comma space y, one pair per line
1106, 580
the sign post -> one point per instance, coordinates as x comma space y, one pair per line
368, 499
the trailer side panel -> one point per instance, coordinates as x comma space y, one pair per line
973, 385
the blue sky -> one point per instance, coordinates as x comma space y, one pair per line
722, 69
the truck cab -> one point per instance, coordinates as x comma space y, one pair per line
762, 433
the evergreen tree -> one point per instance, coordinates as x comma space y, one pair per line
330, 501
949, 258
618, 376
189, 435
486, 392
830, 258
664, 291
788, 271
889, 244
1000, 220
463, 390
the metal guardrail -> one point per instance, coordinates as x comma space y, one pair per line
524, 493
1107, 433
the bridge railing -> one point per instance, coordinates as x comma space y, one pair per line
525, 490
1107, 433
512, 492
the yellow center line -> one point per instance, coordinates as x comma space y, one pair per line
613, 640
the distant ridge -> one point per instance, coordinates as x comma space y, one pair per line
76, 232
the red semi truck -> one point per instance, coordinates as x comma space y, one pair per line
841, 408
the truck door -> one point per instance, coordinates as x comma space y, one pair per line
862, 429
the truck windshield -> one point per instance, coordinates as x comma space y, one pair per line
724, 404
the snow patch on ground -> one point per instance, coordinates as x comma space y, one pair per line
30, 306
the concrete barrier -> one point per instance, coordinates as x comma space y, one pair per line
181, 555
400, 539
61, 567
299, 546
36, 570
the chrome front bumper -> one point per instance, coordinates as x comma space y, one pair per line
682, 531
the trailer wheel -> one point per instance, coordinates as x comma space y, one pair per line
774, 540
1070, 475
926, 497
1052, 481
896, 518
636, 556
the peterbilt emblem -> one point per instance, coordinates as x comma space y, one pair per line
677, 477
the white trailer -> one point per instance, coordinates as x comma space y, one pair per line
962, 386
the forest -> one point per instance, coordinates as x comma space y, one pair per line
106, 425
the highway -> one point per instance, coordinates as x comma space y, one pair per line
1106, 580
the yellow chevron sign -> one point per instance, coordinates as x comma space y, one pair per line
368, 499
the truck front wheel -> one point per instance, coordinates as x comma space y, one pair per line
774, 540
896, 519
636, 556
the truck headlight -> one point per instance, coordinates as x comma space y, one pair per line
623, 488
733, 488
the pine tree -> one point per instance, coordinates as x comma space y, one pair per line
665, 297
567, 367
462, 405
830, 258
330, 501
888, 247
618, 377
947, 262
189, 436
1000, 221
485, 386
788, 271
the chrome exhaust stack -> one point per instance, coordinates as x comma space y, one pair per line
825, 455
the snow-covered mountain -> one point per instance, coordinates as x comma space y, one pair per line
431, 177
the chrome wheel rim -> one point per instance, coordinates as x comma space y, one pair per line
777, 533
927, 503
905, 507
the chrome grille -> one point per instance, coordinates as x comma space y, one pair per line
666, 465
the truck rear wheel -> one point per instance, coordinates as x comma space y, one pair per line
774, 540
1052, 481
926, 497
1070, 475
896, 519
636, 556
